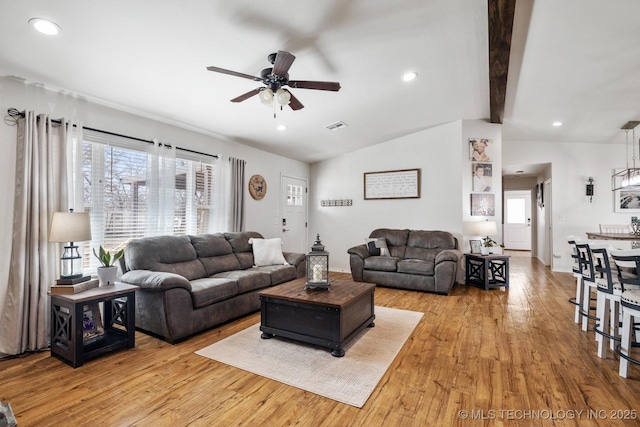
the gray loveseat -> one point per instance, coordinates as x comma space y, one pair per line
190, 283
417, 260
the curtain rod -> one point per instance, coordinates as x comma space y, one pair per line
14, 113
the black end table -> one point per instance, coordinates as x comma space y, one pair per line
117, 331
487, 271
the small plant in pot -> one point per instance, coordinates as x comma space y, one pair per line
487, 244
108, 272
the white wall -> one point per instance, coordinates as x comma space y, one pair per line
571, 166
443, 157
261, 216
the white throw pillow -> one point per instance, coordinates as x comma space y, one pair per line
267, 252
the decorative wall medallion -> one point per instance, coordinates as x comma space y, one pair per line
257, 187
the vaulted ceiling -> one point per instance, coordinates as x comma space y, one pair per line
574, 61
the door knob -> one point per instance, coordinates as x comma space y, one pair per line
284, 229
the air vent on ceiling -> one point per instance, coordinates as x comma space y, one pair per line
337, 125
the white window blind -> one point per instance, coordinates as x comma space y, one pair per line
117, 194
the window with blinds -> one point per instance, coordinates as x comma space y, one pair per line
116, 193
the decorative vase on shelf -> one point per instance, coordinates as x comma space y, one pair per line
485, 250
107, 275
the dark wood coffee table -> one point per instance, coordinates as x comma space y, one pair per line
327, 318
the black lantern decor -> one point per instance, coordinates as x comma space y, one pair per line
317, 266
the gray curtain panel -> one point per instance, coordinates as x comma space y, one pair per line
237, 194
40, 191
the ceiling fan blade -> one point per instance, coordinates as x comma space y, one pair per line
247, 95
294, 102
304, 84
283, 63
233, 73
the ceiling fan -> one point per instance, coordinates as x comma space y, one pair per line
274, 79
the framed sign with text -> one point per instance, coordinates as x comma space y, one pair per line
398, 184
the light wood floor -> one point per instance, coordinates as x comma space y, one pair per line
516, 355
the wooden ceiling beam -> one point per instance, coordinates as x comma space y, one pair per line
500, 28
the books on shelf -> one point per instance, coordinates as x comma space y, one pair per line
74, 289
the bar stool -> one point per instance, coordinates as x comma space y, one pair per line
630, 302
608, 305
591, 268
577, 273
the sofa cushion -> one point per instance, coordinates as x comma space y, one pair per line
381, 263
215, 253
278, 273
421, 253
239, 240
210, 290
431, 239
377, 247
416, 266
171, 254
393, 237
248, 280
267, 251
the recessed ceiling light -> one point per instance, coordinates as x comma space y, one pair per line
557, 124
281, 127
45, 26
411, 75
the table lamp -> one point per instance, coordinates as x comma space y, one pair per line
487, 229
70, 227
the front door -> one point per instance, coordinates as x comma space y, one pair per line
294, 215
517, 222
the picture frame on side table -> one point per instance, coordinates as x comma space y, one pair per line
92, 329
475, 246
626, 201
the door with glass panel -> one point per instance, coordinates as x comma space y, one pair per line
517, 220
294, 215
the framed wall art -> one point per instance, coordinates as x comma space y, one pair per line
483, 204
626, 201
482, 177
480, 149
397, 184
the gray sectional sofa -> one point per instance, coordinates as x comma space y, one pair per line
189, 283
416, 259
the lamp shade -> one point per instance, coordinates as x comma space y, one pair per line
486, 228
70, 227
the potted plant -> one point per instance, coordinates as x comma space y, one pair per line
108, 272
487, 244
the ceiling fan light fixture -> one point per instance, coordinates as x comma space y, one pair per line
283, 96
266, 97
45, 26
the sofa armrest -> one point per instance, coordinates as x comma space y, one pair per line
357, 254
294, 258
361, 250
298, 261
448, 255
155, 280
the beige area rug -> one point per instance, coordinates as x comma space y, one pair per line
350, 379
